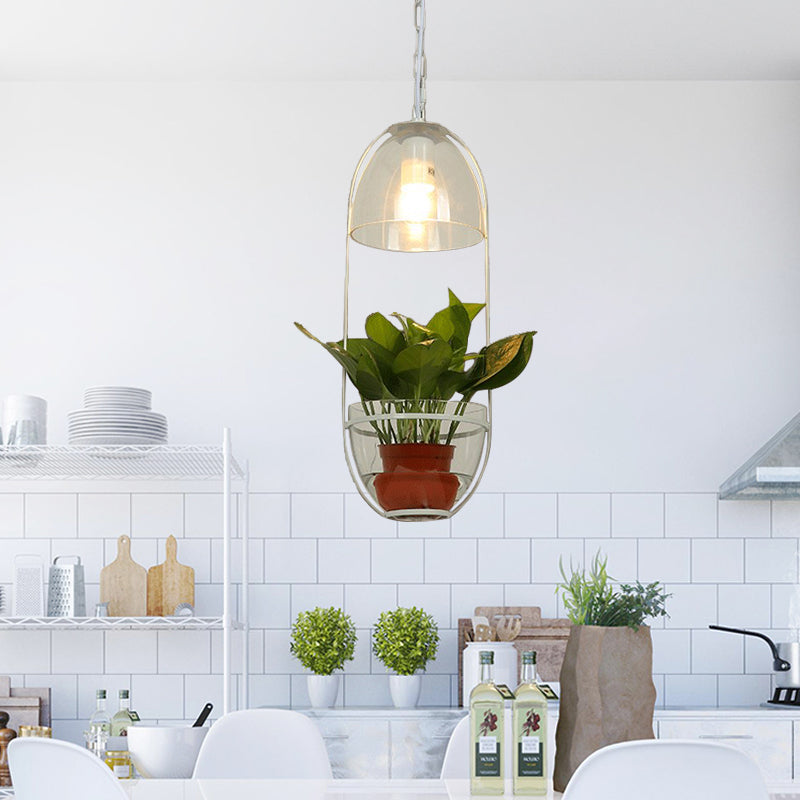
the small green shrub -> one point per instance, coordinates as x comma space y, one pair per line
405, 639
323, 639
592, 600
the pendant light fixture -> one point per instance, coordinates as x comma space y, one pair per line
417, 189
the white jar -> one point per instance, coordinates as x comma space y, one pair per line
504, 670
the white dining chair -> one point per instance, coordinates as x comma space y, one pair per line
263, 743
665, 769
50, 768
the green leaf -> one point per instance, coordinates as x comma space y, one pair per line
413, 332
448, 383
501, 362
383, 358
382, 332
368, 379
472, 309
453, 325
336, 350
420, 365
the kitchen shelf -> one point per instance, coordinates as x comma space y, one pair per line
148, 463
116, 623
116, 462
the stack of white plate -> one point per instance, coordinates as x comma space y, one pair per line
116, 415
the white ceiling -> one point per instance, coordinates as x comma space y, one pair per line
374, 39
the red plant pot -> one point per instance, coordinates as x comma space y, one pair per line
416, 476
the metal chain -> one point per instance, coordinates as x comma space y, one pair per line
420, 62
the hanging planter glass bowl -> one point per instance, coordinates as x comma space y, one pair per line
417, 459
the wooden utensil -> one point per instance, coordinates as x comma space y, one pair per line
507, 626
169, 584
482, 628
123, 583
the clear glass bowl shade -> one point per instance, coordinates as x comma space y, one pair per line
418, 192
394, 445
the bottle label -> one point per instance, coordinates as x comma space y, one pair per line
487, 757
529, 757
134, 716
122, 770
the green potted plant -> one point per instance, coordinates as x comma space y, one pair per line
322, 640
407, 428
607, 691
404, 640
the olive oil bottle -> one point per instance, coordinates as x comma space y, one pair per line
530, 732
486, 718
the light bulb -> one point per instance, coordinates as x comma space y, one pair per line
416, 202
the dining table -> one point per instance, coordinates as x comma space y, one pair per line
337, 789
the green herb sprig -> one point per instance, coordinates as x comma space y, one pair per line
591, 599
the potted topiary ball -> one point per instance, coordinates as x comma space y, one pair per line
322, 640
405, 640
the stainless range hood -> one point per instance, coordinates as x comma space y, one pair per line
773, 473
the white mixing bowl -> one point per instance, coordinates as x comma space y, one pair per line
160, 751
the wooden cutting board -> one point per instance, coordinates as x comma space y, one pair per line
123, 583
169, 584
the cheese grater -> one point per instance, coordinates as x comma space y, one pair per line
66, 595
28, 586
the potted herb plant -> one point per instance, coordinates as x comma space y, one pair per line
607, 691
405, 640
406, 429
322, 640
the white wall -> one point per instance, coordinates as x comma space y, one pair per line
167, 235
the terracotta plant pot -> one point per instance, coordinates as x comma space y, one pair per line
607, 694
416, 476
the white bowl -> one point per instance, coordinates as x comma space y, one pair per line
160, 751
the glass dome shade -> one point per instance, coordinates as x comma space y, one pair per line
419, 191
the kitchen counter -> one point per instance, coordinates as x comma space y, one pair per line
411, 742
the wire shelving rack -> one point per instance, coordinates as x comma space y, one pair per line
147, 463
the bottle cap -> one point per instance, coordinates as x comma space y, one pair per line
487, 657
101, 694
529, 657
124, 694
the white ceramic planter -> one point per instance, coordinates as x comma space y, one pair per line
323, 690
405, 690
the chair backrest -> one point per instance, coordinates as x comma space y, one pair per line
456, 756
50, 768
664, 769
263, 743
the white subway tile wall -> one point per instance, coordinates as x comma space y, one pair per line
733, 563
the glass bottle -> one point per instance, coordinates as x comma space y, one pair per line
124, 718
99, 726
529, 716
486, 719
119, 762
